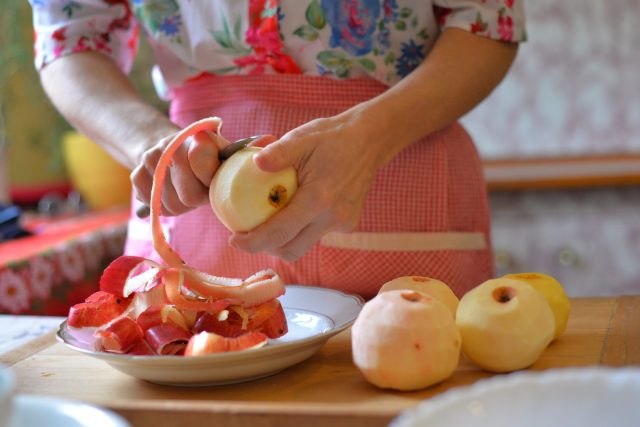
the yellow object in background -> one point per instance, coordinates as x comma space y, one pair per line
101, 181
554, 294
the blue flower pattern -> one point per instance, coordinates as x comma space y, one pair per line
353, 24
159, 17
412, 56
390, 16
170, 25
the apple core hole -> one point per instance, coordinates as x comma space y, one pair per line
503, 294
420, 279
413, 297
278, 196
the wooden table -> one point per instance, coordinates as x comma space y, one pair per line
324, 390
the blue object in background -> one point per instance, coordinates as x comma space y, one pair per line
10, 223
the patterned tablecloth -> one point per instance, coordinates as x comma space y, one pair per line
61, 264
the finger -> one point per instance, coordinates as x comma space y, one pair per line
203, 156
263, 141
298, 246
191, 192
278, 155
150, 159
281, 228
219, 140
141, 182
171, 203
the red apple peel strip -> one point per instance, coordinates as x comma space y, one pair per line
166, 252
255, 290
173, 281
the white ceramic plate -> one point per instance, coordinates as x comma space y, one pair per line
39, 411
313, 316
584, 397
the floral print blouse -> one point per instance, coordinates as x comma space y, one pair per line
385, 39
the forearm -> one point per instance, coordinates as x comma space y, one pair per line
460, 71
98, 100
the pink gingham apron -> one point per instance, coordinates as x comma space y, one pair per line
426, 213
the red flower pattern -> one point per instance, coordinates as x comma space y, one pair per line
49, 283
505, 27
112, 29
263, 35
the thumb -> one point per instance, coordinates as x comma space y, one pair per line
203, 157
277, 156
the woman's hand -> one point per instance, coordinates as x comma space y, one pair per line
187, 183
336, 159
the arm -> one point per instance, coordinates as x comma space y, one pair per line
460, 71
97, 99
95, 96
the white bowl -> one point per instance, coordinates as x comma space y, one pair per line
7, 388
584, 397
313, 315
45, 411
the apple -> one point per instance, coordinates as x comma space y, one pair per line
505, 325
553, 291
405, 340
437, 289
243, 196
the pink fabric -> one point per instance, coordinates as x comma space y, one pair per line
434, 185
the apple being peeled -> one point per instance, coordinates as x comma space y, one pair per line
243, 196
505, 325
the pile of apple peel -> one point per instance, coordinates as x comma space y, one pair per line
411, 335
150, 308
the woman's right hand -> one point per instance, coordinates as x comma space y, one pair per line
186, 186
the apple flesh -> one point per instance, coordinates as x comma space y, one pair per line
211, 343
505, 325
405, 340
437, 289
243, 196
553, 291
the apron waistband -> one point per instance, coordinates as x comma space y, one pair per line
287, 89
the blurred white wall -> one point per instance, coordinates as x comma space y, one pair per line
574, 88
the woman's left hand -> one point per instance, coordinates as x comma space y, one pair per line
336, 159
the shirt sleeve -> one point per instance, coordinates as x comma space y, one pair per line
496, 19
63, 27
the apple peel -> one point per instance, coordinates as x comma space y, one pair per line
211, 343
130, 285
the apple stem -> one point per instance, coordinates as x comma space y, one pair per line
278, 196
413, 297
503, 294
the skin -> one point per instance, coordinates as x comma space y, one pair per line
132, 131
459, 72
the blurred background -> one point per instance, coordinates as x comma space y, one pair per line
560, 139
561, 143
31, 131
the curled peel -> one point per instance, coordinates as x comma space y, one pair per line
160, 244
146, 307
255, 290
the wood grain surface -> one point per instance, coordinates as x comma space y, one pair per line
326, 389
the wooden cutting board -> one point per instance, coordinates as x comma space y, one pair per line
326, 389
